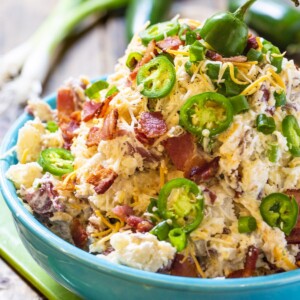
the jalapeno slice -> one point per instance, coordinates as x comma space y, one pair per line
159, 31
181, 201
291, 130
57, 161
157, 77
209, 110
278, 210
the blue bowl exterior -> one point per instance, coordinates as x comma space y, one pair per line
94, 278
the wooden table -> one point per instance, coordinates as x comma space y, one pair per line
93, 52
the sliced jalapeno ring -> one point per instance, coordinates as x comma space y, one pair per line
181, 201
178, 238
209, 110
57, 161
159, 31
133, 59
157, 76
278, 210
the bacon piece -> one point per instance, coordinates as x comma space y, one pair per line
102, 179
170, 42
106, 105
150, 52
109, 128
204, 172
107, 132
68, 132
213, 55
180, 149
91, 109
186, 268
294, 236
139, 224
212, 196
66, 101
140, 136
78, 233
239, 58
251, 43
250, 264
152, 124
123, 211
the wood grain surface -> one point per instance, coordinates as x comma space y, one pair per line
92, 51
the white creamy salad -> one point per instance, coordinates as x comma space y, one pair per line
184, 161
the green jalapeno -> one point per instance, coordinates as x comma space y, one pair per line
159, 31
157, 77
275, 56
265, 124
246, 224
132, 59
93, 91
291, 130
254, 55
181, 201
178, 238
196, 52
209, 110
57, 161
161, 230
52, 126
227, 32
278, 210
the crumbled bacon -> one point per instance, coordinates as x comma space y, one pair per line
152, 124
91, 109
204, 172
180, 149
251, 43
139, 224
102, 179
149, 54
239, 58
68, 128
66, 101
141, 137
213, 55
107, 132
185, 268
78, 233
250, 264
106, 105
212, 196
170, 42
123, 211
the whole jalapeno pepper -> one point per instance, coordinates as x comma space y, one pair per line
209, 110
181, 201
278, 210
227, 32
291, 130
157, 77
159, 31
276, 20
57, 161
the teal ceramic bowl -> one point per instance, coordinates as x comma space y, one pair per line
94, 278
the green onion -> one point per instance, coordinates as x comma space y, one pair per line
246, 224
190, 37
52, 126
254, 55
280, 98
111, 91
190, 68
265, 124
273, 153
178, 238
133, 59
239, 104
24, 68
93, 91
275, 61
196, 52
182, 31
213, 71
161, 230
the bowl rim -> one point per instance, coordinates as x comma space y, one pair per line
22, 215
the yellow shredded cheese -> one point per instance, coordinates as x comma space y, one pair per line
279, 255
260, 45
231, 72
253, 87
277, 78
176, 52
